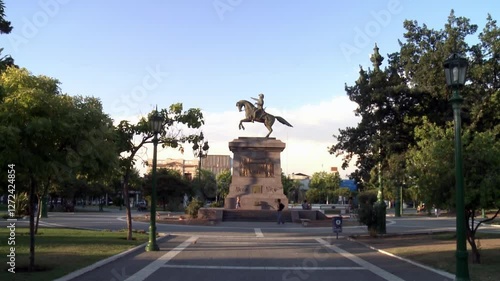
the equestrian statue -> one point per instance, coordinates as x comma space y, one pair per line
258, 114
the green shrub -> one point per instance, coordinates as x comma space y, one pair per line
22, 204
217, 204
193, 207
366, 212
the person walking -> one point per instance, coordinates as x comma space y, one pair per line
306, 206
238, 203
280, 211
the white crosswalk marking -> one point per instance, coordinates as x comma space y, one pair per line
155, 265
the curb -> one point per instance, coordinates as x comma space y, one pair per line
103, 262
438, 271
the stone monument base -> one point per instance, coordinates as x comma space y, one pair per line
255, 202
256, 175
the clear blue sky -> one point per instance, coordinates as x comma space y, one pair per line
211, 53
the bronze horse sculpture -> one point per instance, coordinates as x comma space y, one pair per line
263, 117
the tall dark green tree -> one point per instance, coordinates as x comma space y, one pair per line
410, 93
5, 28
483, 92
391, 102
388, 108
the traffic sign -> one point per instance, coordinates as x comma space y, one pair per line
337, 225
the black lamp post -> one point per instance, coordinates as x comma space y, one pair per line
156, 122
200, 150
380, 206
455, 69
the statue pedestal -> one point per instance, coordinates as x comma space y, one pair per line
256, 174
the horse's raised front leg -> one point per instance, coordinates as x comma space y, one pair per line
241, 124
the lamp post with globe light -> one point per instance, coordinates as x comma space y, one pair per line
200, 150
156, 121
455, 69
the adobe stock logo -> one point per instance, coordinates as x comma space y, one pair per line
371, 29
40, 19
151, 81
224, 6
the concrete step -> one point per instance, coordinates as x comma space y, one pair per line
254, 215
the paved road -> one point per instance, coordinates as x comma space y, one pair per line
255, 251
116, 220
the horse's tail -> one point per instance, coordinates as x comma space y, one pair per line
283, 121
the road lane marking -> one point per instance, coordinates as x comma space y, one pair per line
259, 243
373, 268
440, 272
155, 265
304, 268
258, 232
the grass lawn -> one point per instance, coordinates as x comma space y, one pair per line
60, 251
438, 251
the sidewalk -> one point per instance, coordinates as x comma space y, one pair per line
132, 264
114, 209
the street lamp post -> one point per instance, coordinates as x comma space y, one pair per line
200, 150
455, 68
397, 203
380, 206
156, 122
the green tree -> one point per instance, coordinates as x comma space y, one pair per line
51, 137
482, 181
170, 187
395, 177
389, 110
484, 73
323, 187
392, 101
133, 137
431, 163
223, 179
291, 188
206, 186
5, 28
287, 183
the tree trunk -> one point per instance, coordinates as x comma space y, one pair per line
31, 266
471, 236
38, 214
476, 256
127, 206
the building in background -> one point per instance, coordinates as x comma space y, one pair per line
217, 163
188, 168
303, 179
